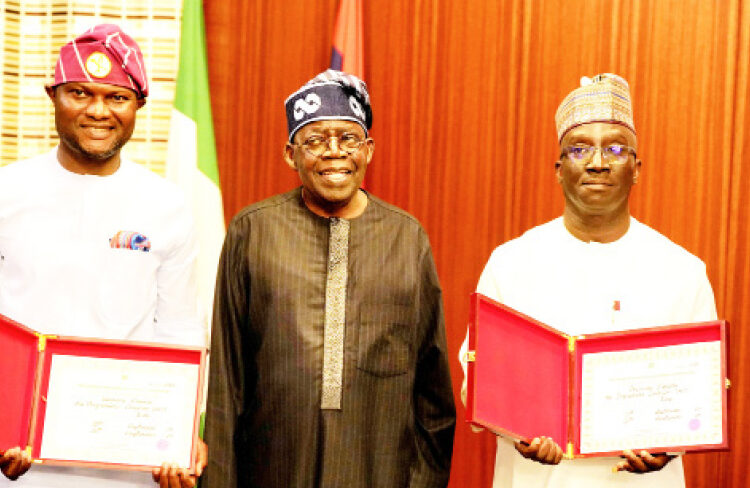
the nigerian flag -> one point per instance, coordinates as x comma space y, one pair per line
191, 153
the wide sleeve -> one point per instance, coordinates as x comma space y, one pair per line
704, 304
435, 412
488, 287
177, 318
227, 373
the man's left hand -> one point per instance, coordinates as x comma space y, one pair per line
541, 449
14, 462
642, 462
171, 476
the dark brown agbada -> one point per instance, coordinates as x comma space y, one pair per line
265, 427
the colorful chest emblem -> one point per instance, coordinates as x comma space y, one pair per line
130, 240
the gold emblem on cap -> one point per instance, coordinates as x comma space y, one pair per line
98, 65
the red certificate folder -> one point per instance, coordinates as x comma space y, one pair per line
26, 357
525, 380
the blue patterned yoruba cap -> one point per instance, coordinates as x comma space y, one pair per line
602, 98
331, 95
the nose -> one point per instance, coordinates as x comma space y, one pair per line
597, 162
97, 108
333, 149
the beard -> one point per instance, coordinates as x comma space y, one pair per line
93, 156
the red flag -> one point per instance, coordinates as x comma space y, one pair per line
348, 39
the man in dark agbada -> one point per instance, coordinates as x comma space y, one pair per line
328, 362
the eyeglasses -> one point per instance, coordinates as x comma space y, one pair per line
318, 145
612, 154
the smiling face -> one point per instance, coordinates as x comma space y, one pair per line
94, 121
331, 181
597, 188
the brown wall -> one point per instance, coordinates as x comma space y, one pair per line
464, 95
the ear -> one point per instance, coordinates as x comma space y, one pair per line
141, 102
50, 92
370, 145
558, 170
289, 156
636, 171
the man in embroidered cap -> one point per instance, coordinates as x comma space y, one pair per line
595, 269
92, 244
328, 360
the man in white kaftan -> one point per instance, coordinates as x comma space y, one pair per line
595, 269
572, 285
94, 245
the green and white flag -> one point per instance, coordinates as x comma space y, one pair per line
191, 153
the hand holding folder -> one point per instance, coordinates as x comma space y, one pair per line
643, 462
541, 449
14, 462
170, 474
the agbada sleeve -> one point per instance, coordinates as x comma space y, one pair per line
489, 287
228, 369
435, 411
177, 317
703, 302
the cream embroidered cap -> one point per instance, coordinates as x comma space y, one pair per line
603, 98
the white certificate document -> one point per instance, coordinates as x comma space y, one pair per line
120, 411
653, 397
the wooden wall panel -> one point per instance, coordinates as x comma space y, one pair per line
464, 95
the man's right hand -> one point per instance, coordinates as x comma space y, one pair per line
541, 449
15, 462
170, 476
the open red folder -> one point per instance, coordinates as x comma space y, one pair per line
661, 389
99, 403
